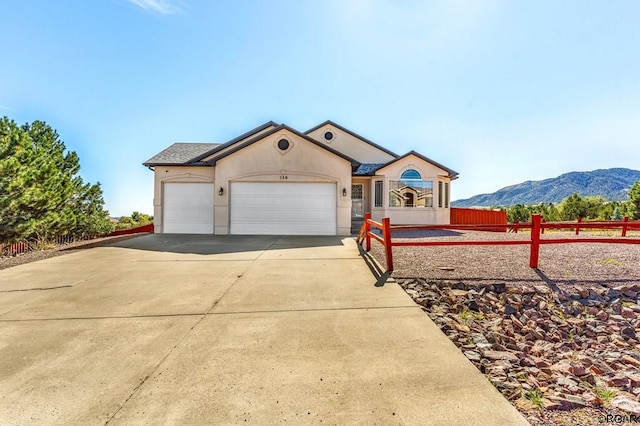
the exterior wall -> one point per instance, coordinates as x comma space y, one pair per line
264, 162
175, 174
351, 146
411, 215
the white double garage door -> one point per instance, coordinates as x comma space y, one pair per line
256, 208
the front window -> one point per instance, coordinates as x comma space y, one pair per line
446, 195
410, 191
377, 199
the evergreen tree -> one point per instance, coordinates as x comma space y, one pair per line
634, 201
41, 194
573, 207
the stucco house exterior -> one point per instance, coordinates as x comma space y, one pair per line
277, 180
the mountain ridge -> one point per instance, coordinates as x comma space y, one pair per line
612, 184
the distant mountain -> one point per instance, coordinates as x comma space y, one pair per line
612, 184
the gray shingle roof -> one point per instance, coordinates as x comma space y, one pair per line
179, 153
367, 169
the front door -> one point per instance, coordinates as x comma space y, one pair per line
357, 201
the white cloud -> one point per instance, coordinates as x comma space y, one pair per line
164, 7
6, 108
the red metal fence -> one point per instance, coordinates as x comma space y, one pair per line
24, 247
460, 216
536, 225
138, 230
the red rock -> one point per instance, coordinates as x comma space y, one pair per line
634, 380
578, 370
625, 403
527, 362
500, 355
628, 313
542, 363
595, 370
576, 401
628, 332
553, 405
620, 380
562, 367
630, 360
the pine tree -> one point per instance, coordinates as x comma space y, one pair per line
41, 194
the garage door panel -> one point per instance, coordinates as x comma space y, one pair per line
188, 208
283, 208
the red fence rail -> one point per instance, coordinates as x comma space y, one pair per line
138, 230
536, 225
25, 247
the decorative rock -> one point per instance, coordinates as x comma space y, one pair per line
630, 360
628, 332
578, 370
634, 380
626, 404
500, 355
480, 341
472, 355
566, 382
576, 401
559, 341
499, 287
620, 381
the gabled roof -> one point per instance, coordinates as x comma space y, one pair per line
279, 128
452, 173
355, 135
179, 153
232, 141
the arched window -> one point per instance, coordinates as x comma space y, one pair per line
411, 190
410, 174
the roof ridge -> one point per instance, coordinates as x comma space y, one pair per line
354, 134
234, 140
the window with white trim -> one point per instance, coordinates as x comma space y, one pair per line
411, 190
377, 195
440, 194
446, 195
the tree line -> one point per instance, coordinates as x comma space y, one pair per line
575, 206
41, 194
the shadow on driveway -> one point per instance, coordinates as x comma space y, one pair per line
219, 244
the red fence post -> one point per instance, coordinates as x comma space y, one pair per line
386, 235
367, 229
535, 241
624, 226
541, 227
578, 226
515, 228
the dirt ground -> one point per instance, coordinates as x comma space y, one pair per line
33, 256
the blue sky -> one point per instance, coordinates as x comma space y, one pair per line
501, 91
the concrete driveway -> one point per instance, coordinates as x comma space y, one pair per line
166, 329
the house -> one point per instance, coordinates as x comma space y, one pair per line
276, 180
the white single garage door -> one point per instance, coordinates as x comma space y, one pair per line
283, 208
188, 208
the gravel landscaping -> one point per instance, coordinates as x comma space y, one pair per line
562, 343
